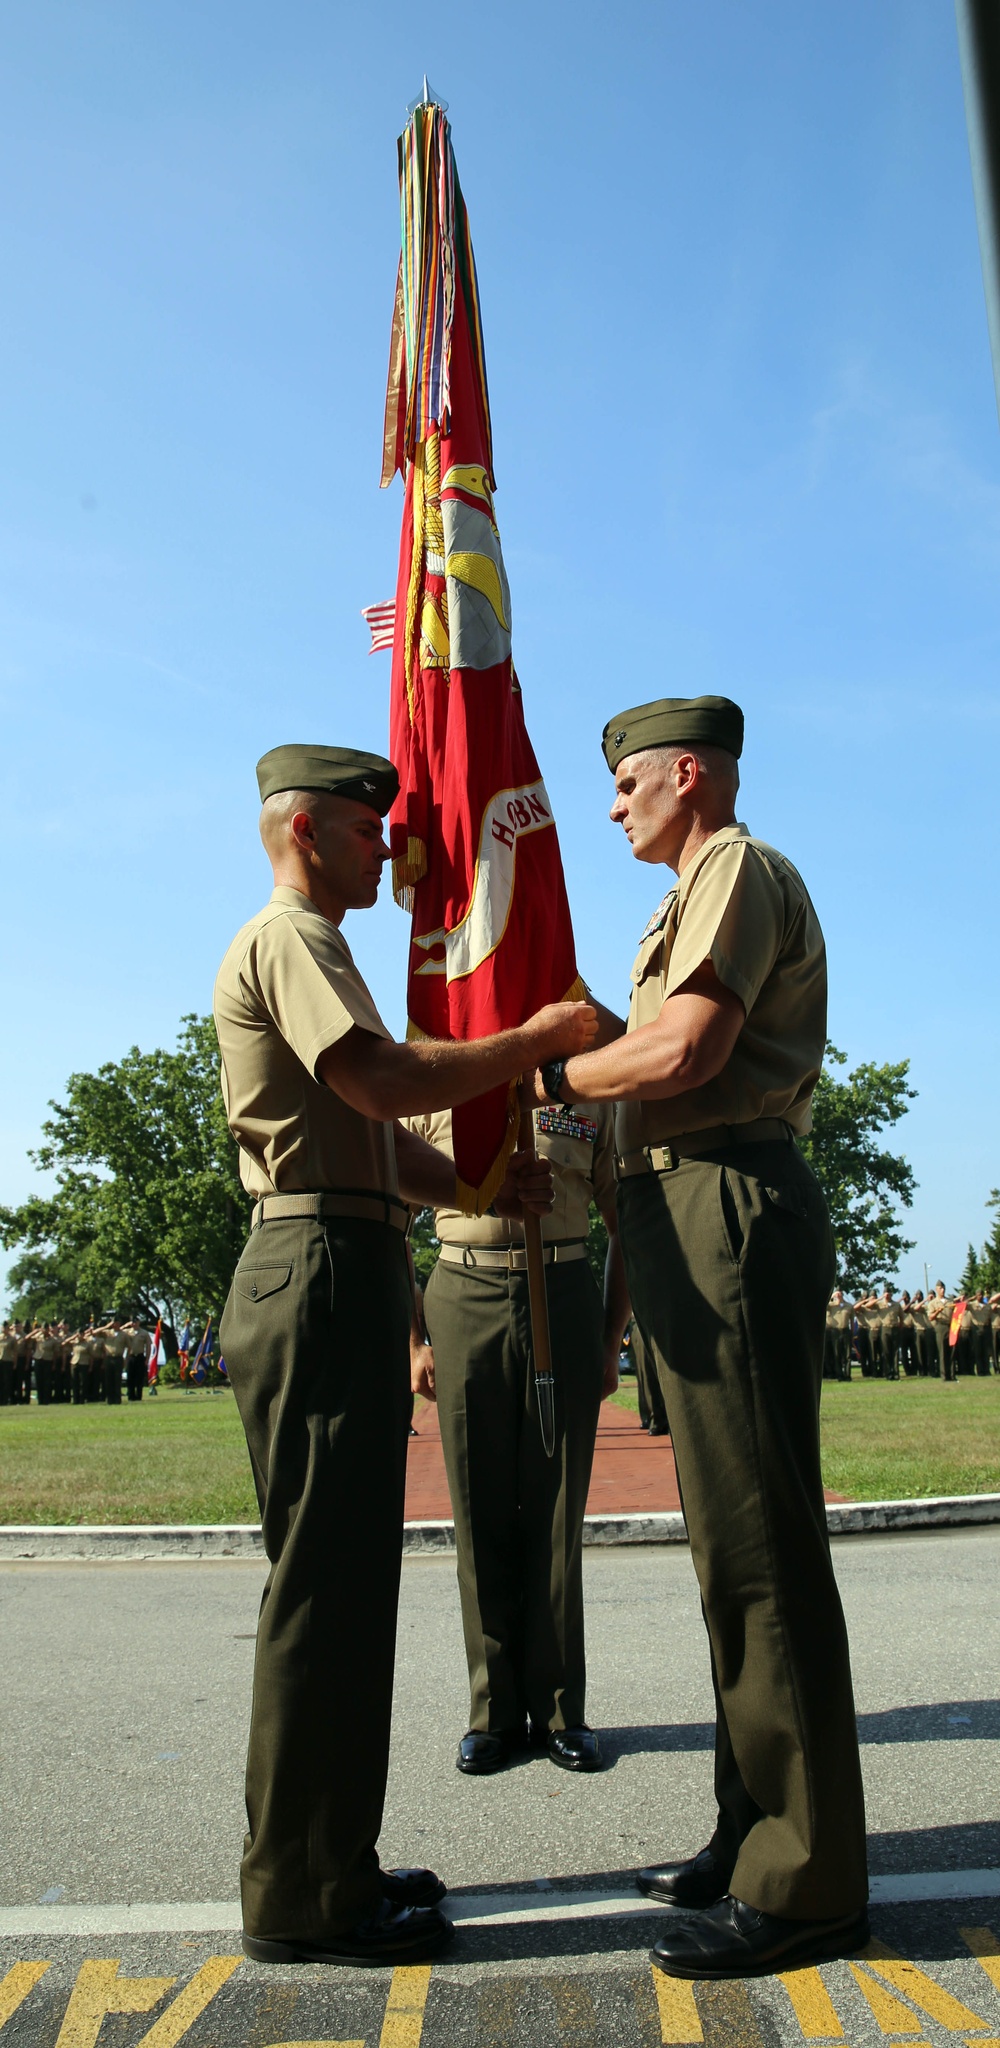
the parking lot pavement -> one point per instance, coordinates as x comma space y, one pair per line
124, 1694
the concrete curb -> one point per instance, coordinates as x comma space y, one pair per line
169, 1541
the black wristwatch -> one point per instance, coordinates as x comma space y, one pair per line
552, 1075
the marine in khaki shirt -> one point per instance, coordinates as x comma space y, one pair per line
740, 905
291, 968
580, 1143
315, 1335
730, 1262
519, 1514
940, 1305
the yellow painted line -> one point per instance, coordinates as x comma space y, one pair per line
930, 1997
404, 2012
680, 2026
814, 2008
14, 1988
575, 2015
986, 1949
173, 2024
99, 1991
893, 2017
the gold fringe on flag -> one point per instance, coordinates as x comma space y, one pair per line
407, 870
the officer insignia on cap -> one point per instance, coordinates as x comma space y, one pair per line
619, 736
369, 786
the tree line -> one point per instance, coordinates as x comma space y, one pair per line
148, 1216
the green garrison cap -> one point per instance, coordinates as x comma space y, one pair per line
341, 771
674, 722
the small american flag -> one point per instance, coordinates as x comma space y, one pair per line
381, 620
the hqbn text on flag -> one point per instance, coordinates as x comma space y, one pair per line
509, 816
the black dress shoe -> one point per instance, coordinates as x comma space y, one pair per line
412, 1887
574, 1749
478, 1754
731, 1939
694, 1884
395, 1934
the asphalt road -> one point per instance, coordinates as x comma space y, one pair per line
124, 1691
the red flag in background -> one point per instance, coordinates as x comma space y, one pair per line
475, 852
955, 1325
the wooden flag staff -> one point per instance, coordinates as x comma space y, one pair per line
541, 1343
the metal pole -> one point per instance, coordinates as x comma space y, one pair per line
979, 50
541, 1343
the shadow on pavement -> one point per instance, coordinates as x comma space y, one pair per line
969, 1845
941, 1721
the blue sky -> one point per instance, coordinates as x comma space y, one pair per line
746, 441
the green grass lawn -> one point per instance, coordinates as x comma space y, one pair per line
905, 1439
178, 1458
182, 1458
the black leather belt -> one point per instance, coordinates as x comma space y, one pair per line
688, 1144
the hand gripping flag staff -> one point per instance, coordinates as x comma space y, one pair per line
475, 855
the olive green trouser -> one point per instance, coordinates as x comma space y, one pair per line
730, 1263
909, 1356
837, 1355
890, 1339
945, 1351
647, 1380
315, 1336
518, 1514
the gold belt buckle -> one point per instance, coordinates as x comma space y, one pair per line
668, 1159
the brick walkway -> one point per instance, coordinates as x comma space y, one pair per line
633, 1472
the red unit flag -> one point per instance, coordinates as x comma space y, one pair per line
473, 839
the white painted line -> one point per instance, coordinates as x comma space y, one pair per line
153, 1919
510, 1909
906, 1887
469, 1909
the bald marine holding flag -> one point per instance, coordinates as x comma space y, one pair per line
316, 1340
729, 1258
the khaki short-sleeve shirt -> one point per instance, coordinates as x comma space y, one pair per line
743, 906
939, 1307
287, 989
579, 1142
